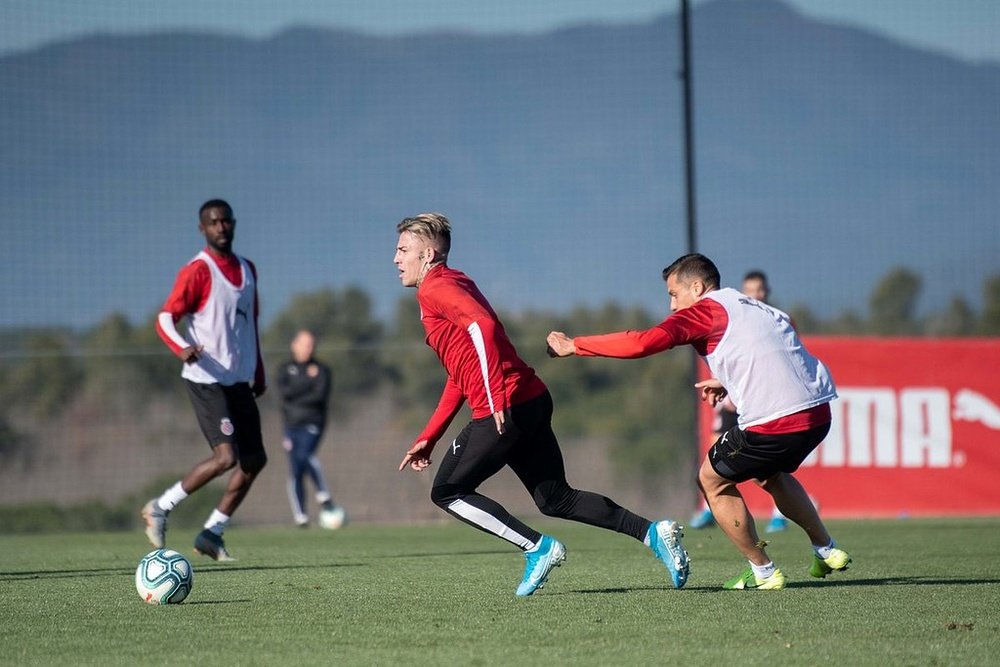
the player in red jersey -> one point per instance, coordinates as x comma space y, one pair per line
217, 293
725, 417
781, 391
511, 418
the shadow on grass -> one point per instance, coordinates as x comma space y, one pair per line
100, 572
449, 554
895, 581
886, 581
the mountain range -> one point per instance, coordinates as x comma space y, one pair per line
824, 154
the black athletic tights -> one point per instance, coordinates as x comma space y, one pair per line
530, 448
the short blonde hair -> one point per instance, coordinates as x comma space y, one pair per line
432, 226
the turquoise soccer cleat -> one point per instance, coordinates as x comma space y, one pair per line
665, 541
549, 553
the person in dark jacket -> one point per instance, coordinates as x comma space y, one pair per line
305, 384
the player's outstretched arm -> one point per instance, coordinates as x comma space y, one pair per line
560, 345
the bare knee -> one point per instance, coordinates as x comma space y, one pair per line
709, 481
223, 459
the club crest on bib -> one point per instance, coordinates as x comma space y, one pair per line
227, 427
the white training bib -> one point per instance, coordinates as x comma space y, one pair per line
762, 363
226, 328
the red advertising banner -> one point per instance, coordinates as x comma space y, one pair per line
916, 430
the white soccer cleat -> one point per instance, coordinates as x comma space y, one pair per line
156, 524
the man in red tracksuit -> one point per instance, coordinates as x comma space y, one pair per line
511, 418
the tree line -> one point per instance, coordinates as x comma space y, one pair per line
644, 408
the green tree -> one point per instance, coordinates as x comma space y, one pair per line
46, 375
893, 304
413, 368
158, 366
348, 336
958, 320
989, 321
847, 323
112, 375
805, 321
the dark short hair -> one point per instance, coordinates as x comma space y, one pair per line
755, 274
214, 203
694, 265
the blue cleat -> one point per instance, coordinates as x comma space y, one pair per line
777, 524
547, 554
665, 541
703, 519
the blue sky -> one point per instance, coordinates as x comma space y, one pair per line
969, 29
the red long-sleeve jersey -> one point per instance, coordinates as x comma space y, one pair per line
189, 295
701, 325
482, 365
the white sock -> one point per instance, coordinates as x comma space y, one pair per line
824, 552
217, 522
171, 497
763, 571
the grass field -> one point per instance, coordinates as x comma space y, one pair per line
920, 592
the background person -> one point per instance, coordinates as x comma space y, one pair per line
511, 419
216, 292
783, 392
305, 385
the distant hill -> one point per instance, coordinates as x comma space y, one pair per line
825, 155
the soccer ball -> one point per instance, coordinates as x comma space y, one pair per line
164, 576
332, 519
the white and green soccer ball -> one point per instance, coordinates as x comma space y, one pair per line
164, 576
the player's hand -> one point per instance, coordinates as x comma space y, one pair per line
501, 421
559, 344
191, 353
418, 456
711, 391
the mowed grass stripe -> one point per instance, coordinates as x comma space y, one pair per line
919, 592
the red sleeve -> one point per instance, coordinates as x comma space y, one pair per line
700, 325
464, 309
191, 290
449, 405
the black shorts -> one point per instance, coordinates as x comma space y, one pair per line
741, 455
528, 446
227, 414
725, 420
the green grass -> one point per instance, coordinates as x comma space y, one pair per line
920, 592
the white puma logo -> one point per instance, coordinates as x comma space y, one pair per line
455, 446
974, 407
